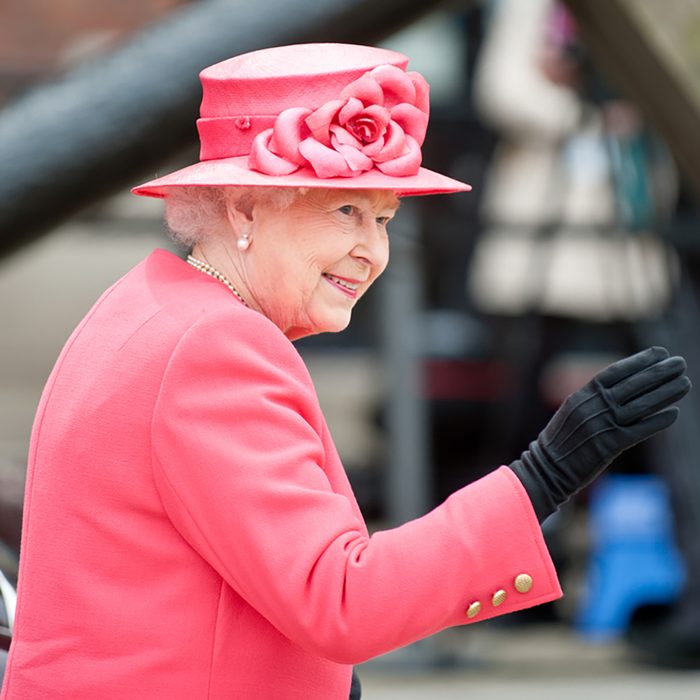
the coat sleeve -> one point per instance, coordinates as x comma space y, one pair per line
239, 462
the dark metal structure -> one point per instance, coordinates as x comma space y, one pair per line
116, 120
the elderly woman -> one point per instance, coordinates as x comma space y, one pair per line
189, 530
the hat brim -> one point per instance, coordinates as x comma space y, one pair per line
234, 172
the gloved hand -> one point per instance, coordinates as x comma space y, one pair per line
624, 404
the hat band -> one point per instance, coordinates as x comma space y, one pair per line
227, 137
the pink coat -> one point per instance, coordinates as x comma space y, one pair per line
190, 532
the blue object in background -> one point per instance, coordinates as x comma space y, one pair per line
634, 560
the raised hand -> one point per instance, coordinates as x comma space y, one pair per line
624, 404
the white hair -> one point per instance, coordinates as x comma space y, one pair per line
193, 213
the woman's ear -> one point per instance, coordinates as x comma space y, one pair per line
240, 215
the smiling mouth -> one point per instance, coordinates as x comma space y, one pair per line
348, 288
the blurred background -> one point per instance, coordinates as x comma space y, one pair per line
577, 124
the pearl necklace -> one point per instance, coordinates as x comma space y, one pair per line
207, 269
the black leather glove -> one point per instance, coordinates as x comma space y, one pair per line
624, 404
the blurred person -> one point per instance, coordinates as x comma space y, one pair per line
569, 261
578, 197
569, 207
189, 530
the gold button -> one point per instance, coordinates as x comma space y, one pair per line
499, 598
523, 583
474, 609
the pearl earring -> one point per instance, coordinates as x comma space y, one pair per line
243, 243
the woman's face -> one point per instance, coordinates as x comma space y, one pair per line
309, 264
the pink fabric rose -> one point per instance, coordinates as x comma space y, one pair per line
379, 120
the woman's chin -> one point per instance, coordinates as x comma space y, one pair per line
337, 323
314, 320
331, 324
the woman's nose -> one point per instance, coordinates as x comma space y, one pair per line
372, 247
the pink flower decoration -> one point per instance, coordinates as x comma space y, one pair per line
379, 120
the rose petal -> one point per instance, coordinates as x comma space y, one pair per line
365, 89
352, 108
289, 131
411, 120
357, 161
264, 161
422, 100
371, 149
379, 113
325, 161
343, 137
396, 85
406, 164
393, 143
320, 120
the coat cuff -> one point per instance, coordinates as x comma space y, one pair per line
524, 574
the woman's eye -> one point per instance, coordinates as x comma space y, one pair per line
383, 220
348, 210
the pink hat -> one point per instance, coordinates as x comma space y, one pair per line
312, 115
